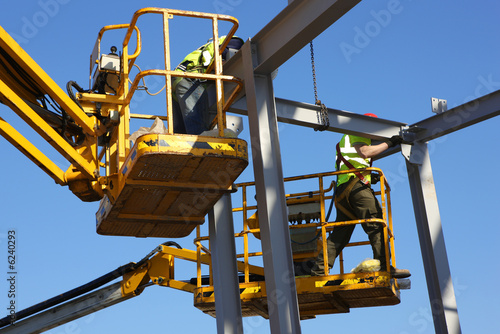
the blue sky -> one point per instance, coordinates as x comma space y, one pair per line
384, 57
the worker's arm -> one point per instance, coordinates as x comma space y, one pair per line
371, 151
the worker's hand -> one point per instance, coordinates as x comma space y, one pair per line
395, 140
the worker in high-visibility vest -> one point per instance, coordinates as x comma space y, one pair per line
355, 199
191, 108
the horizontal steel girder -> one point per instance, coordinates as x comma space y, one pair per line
460, 117
304, 114
292, 29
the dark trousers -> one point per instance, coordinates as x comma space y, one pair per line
191, 111
360, 203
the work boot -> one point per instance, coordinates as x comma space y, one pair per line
400, 273
303, 268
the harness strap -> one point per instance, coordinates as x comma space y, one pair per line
340, 157
346, 194
183, 66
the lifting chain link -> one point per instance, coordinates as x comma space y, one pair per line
314, 74
323, 120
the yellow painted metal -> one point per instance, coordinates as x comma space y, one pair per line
198, 257
33, 153
179, 285
169, 183
207, 76
24, 111
45, 82
168, 14
161, 267
245, 236
82, 177
133, 280
168, 76
101, 98
114, 151
158, 270
186, 174
326, 294
96, 52
25, 88
316, 295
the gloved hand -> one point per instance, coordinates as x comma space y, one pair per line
394, 140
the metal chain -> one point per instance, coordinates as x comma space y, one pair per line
323, 120
314, 74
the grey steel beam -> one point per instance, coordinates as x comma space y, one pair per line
275, 237
467, 114
306, 115
437, 269
293, 28
225, 272
69, 311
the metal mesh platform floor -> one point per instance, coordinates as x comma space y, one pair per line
316, 295
170, 184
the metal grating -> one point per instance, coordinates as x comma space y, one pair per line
168, 190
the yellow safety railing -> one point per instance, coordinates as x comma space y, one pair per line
118, 147
321, 194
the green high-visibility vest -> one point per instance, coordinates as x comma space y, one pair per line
199, 60
349, 153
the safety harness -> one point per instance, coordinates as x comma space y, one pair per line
340, 157
350, 185
200, 59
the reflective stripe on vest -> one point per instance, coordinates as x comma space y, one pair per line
352, 160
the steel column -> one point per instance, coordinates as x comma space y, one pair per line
432, 245
225, 273
275, 237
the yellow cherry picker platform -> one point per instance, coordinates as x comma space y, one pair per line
166, 183
309, 225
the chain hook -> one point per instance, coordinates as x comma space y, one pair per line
323, 120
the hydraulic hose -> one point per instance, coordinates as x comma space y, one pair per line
70, 294
69, 87
98, 282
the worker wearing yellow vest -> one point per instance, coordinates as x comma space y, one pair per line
191, 101
355, 199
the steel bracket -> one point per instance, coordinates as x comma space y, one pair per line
410, 147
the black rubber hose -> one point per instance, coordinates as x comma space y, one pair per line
26, 81
172, 243
69, 87
70, 294
98, 282
331, 203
